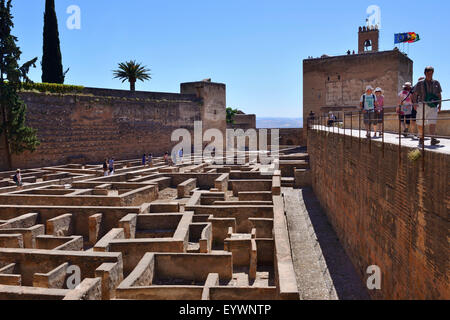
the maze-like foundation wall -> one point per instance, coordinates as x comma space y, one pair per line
187, 231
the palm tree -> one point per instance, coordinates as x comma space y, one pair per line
132, 72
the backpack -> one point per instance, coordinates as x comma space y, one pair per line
15, 179
430, 97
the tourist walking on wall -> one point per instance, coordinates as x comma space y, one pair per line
405, 107
368, 103
379, 111
17, 178
331, 119
105, 167
428, 94
311, 118
414, 129
144, 159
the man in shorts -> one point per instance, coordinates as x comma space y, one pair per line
368, 103
428, 94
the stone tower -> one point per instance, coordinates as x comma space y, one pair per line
368, 39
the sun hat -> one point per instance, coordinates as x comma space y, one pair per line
407, 85
378, 89
369, 88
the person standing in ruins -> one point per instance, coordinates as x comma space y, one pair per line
331, 119
405, 107
379, 111
166, 158
105, 167
18, 179
150, 159
144, 159
367, 104
111, 166
428, 94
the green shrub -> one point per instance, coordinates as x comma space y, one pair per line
414, 155
52, 87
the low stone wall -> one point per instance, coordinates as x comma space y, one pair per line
386, 212
391, 122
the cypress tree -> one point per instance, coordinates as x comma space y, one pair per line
52, 68
16, 135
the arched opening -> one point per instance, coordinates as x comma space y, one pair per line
367, 45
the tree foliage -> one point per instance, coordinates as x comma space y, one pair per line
132, 71
17, 136
52, 68
230, 115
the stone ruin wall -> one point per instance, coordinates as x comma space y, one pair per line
102, 123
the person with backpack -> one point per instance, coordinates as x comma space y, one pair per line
428, 94
405, 107
368, 103
144, 159
17, 178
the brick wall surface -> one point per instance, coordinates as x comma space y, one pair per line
386, 212
88, 128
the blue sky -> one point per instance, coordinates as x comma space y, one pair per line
255, 47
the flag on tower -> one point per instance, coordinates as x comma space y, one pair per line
408, 37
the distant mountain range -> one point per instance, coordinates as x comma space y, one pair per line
273, 123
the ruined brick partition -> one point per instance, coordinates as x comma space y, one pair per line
100, 123
385, 213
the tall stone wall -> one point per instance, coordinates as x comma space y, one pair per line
102, 123
213, 108
387, 213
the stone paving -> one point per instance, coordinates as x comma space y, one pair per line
443, 147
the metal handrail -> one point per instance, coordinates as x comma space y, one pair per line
330, 123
